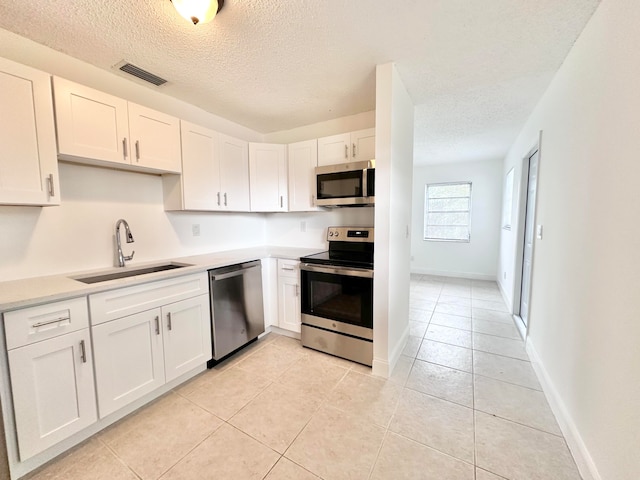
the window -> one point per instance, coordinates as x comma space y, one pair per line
447, 212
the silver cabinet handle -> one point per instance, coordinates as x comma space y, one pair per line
49, 322
354, 150
281, 201
169, 326
83, 352
225, 199
218, 198
157, 325
137, 150
125, 152
346, 151
313, 200
52, 191
291, 269
297, 290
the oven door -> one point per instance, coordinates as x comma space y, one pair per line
338, 299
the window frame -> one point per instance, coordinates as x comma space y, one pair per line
426, 212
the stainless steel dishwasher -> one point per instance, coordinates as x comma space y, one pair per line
237, 313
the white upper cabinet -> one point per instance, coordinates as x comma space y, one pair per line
363, 145
198, 186
215, 173
347, 147
155, 138
28, 162
91, 124
94, 127
268, 176
334, 149
302, 160
234, 174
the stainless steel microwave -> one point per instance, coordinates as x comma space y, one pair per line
346, 184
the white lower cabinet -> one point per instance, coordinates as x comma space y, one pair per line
289, 295
139, 353
53, 390
155, 341
186, 336
128, 357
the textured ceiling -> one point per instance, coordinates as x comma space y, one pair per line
475, 69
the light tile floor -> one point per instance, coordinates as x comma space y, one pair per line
463, 403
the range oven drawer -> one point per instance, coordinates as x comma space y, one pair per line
344, 346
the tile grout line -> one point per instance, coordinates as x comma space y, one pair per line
121, 460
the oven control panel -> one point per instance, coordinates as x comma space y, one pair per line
350, 234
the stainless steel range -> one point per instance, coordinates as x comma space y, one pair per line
337, 295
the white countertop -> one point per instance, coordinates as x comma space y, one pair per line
33, 291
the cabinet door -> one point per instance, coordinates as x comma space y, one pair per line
270, 291
53, 390
128, 357
363, 145
90, 124
28, 162
200, 168
155, 138
334, 149
289, 303
234, 174
268, 177
187, 335
302, 160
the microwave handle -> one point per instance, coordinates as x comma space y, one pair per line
365, 189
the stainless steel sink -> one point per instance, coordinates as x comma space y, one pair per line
124, 273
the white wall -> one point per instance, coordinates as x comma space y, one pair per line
394, 165
585, 306
79, 234
309, 229
478, 258
350, 123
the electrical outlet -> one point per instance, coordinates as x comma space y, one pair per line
303, 226
195, 229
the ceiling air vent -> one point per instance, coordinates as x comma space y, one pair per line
142, 74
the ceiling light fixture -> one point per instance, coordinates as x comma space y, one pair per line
198, 11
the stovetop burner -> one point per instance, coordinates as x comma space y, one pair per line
348, 247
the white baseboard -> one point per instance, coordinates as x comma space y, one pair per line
507, 300
384, 368
443, 273
283, 332
578, 448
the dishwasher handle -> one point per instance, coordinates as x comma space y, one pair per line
235, 273
233, 270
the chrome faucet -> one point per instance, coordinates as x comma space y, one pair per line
129, 239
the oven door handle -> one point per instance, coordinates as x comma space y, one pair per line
349, 272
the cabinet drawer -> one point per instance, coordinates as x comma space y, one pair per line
288, 268
34, 324
130, 300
